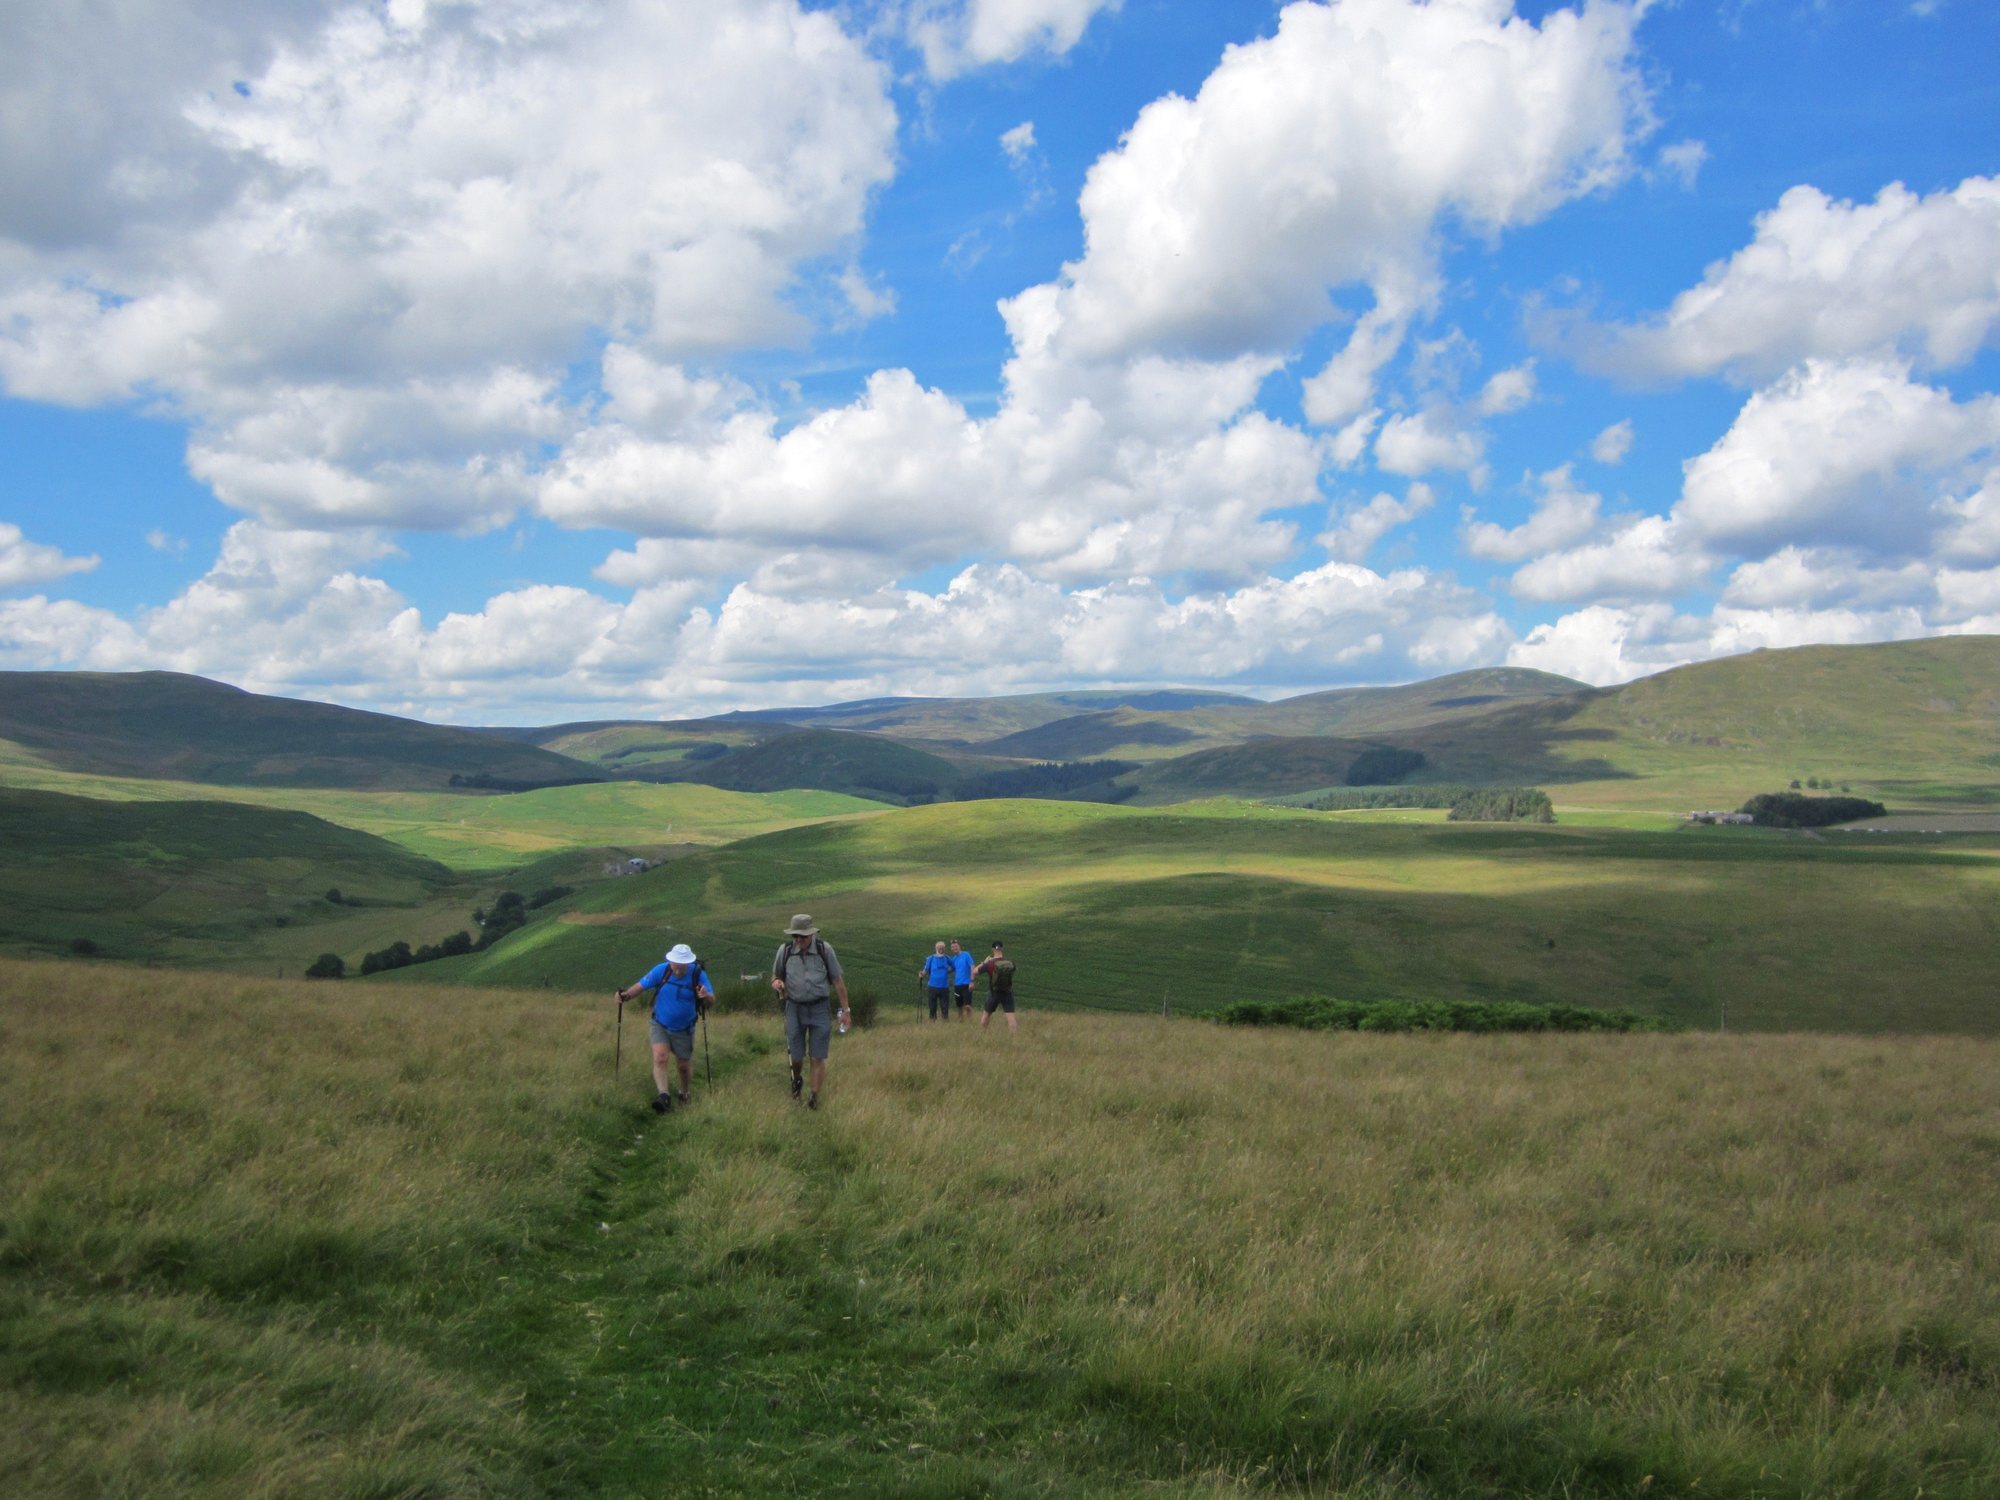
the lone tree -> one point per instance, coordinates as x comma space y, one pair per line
328, 966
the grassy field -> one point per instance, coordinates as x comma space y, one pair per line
479, 831
1193, 906
179, 882
282, 1241
1910, 724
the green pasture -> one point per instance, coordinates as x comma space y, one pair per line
622, 745
179, 873
479, 831
1140, 909
291, 1241
197, 882
1910, 724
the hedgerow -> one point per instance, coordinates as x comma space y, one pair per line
1324, 1013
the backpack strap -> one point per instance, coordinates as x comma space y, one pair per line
787, 953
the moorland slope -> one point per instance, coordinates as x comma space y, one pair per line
1911, 723
191, 881
172, 726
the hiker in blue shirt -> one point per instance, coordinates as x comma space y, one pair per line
961, 980
935, 972
679, 987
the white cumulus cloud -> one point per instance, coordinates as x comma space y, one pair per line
1910, 276
1841, 453
24, 562
1563, 515
361, 276
1328, 154
956, 36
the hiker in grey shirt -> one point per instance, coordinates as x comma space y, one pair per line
804, 973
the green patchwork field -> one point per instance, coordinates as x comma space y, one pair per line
470, 831
1136, 909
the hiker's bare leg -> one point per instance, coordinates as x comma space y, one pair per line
984, 1019
818, 1074
687, 1072
662, 1067
1010, 1021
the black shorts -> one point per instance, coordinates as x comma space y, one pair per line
1000, 1000
962, 995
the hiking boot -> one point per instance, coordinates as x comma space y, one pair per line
813, 1102
662, 1103
798, 1084
684, 1096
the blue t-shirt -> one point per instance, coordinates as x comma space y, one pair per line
938, 971
961, 968
674, 998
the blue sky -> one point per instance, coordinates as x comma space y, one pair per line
516, 361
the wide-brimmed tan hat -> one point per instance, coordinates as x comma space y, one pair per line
802, 926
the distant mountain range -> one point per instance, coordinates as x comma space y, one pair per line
1917, 719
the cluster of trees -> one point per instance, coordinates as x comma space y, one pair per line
1503, 804
1796, 810
399, 955
1322, 1013
1347, 799
1078, 780
508, 913
486, 781
1817, 785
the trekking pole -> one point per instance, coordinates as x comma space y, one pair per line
618, 1052
707, 1062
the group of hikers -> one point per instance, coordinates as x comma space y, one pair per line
947, 976
806, 977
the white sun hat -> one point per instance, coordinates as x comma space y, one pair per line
680, 953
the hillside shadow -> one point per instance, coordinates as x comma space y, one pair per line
1517, 745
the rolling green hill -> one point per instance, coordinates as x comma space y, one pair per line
1382, 710
193, 881
1911, 723
1119, 733
1264, 769
1190, 906
968, 721
480, 831
623, 745
861, 765
172, 726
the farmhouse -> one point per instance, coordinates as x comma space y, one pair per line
1718, 817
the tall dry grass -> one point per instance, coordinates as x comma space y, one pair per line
227, 1203
1416, 1265
266, 1239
